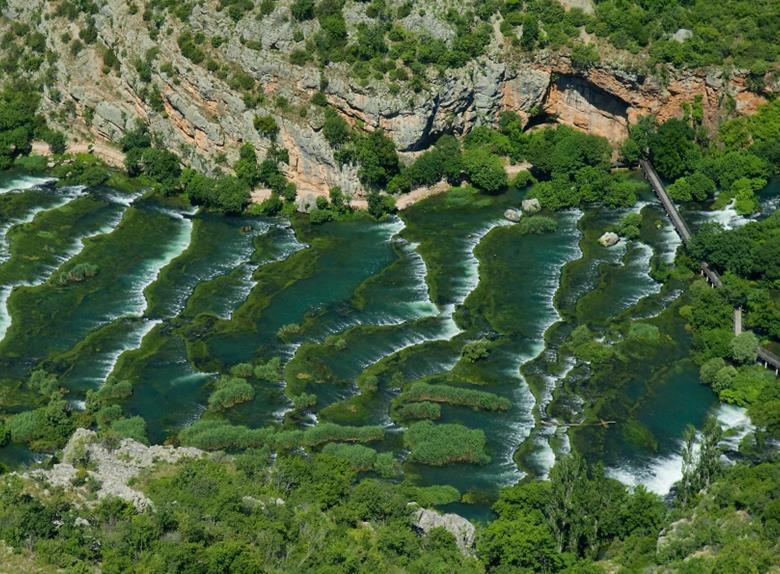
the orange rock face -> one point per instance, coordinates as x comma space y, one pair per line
605, 104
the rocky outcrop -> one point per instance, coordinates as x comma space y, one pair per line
111, 470
531, 206
203, 115
577, 102
513, 215
463, 530
609, 239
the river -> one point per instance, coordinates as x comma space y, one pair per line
180, 295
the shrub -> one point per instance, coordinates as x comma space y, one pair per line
629, 226
476, 350
744, 347
133, 427
359, 457
380, 204
438, 445
269, 371
536, 224
710, 368
330, 432
523, 179
644, 331
230, 392
302, 10
477, 400
77, 274
242, 370
289, 331
190, 49
418, 411
335, 129
266, 126
484, 170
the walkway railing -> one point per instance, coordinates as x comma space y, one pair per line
669, 207
767, 358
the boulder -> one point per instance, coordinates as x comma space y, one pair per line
531, 205
463, 530
609, 239
306, 202
682, 35
513, 214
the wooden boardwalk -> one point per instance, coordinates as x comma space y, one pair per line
766, 358
668, 204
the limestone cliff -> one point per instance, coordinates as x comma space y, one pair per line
204, 117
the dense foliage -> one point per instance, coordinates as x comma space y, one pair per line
738, 160
749, 258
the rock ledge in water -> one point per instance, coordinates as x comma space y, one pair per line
463, 530
513, 214
609, 239
531, 206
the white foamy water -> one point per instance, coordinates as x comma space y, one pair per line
5, 291
735, 423
5, 318
151, 270
227, 262
447, 330
422, 306
671, 241
469, 279
133, 341
727, 217
288, 247
523, 402
69, 194
77, 405
640, 270
74, 251
24, 183
410, 301
544, 455
659, 474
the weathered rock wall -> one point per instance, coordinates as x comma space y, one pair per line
204, 119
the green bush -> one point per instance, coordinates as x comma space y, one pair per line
133, 427
189, 46
335, 128
476, 350
266, 126
77, 274
302, 10
269, 371
438, 445
476, 400
230, 392
417, 411
744, 347
536, 224
360, 458
484, 170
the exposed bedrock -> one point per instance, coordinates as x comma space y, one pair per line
203, 118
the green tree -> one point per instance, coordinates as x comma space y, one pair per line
522, 543
335, 129
744, 347
484, 170
674, 151
378, 159
266, 126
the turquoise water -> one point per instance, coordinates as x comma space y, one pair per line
180, 296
